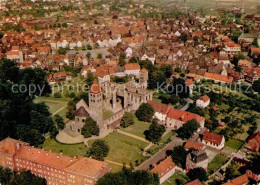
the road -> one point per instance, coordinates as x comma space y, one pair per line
160, 155
189, 101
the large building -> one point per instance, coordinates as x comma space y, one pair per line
57, 169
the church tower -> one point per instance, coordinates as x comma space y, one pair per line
96, 103
143, 78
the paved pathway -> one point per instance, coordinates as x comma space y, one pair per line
132, 135
56, 112
159, 155
189, 101
116, 163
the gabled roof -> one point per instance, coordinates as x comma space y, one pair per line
159, 107
205, 98
191, 144
164, 167
95, 88
212, 137
241, 180
184, 116
195, 182
81, 112
132, 66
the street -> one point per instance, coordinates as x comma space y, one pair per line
160, 155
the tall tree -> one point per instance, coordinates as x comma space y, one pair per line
145, 112
155, 132
198, 173
98, 150
187, 130
178, 155
90, 128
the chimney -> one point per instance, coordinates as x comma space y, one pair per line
17, 146
57, 156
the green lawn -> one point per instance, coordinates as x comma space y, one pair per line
115, 168
216, 163
172, 180
107, 113
137, 128
53, 104
71, 150
234, 143
123, 149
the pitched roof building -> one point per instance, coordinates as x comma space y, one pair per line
214, 140
55, 168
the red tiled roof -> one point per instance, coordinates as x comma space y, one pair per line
241, 180
219, 77
254, 142
132, 66
95, 88
212, 137
191, 144
81, 165
159, 107
205, 98
164, 167
189, 82
195, 182
184, 116
144, 70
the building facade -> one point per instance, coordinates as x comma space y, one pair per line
57, 169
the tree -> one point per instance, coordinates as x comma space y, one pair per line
178, 155
90, 128
187, 130
88, 55
90, 79
98, 150
99, 56
184, 37
235, 34
122, 59
23, 178
155, 132
63, 51
145, 112
255, 42
256, 86
156, 79
127, 120
64, 25
198, 173
59, 122
89, 47
133, 60
128, 177
167, 70
179, 88
8, 70
57, 95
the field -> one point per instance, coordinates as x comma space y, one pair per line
56, 106
107, 113
137, 128
172, 180
123, 149
216, 163
234, 143
208, 6
71, 150
114, 168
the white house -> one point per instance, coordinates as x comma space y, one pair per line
203, 101
161, 110
132, 69
129, 52
213, 140
165, 169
